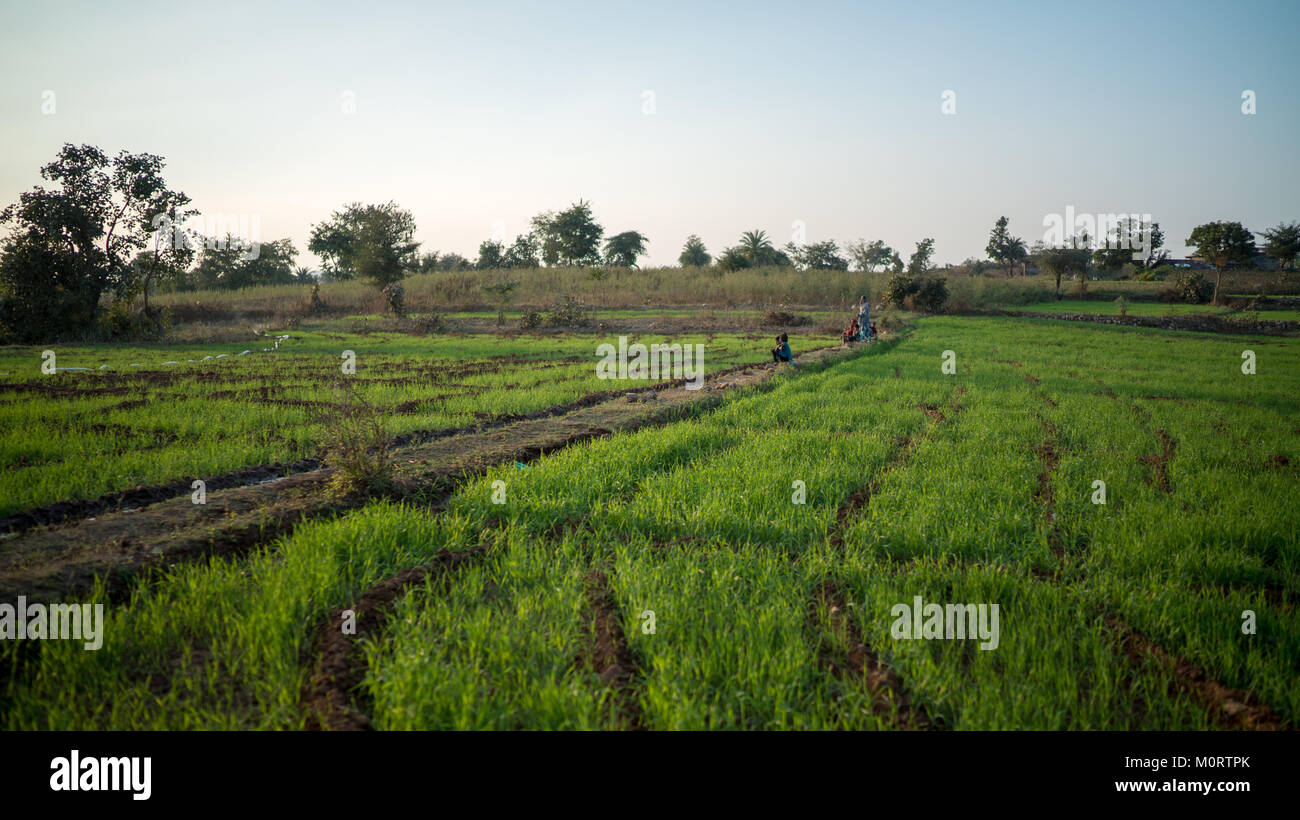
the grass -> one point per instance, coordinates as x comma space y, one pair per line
981, 487
77, 435
1134, 308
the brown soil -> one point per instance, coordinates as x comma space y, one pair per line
861, 497
609, 655
330, 697
1203, 324
1228, 708
1159, 464
829, 610
54, 562
1045, 495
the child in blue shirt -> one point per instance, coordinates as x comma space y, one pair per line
782, 352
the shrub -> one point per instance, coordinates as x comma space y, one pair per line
395, 295
900, 287
785, 319
1193, 288
931, 295
357, 446
569, 313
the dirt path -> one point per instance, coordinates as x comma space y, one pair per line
63, 561
829, 609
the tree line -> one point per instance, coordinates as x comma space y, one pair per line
112, 226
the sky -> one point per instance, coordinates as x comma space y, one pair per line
810, 120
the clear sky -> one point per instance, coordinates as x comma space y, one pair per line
477, 115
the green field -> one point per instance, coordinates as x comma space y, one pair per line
974, 487
79, 434
1134, 308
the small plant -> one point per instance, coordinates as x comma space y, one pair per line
395, 295
569, 313
502, 291
783, 318
1121, 306
430, 323
356, 445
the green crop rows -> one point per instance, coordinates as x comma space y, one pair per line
76, 435
979, 488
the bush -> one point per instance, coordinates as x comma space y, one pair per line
569, 313
785, 319
931, 295
900, 287
1193, 288
395, 295
357, 446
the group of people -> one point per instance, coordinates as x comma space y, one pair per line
860, 330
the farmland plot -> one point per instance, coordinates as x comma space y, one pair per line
755, 566
78, 434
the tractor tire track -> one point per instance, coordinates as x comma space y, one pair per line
828, 611
609, 655
1159, 463
1228, 708
331, 696
860, 498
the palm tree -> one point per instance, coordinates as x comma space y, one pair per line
756, 246
1017, 253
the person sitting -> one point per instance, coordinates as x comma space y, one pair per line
782, 352
851, 335
873, 330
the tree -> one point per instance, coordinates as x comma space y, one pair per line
868, 256
74, 241
622, 250
225, 264
1017, 253
450, 262
502, 291
491, 254
172, 251
920, 260
1064, 261
1004, 248
895, 262
1222, 244
733, 259
1128, 236
373, 242
1283, 244
523, 253
570, 237
757, 247
694, 254
818, 256
428, 262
